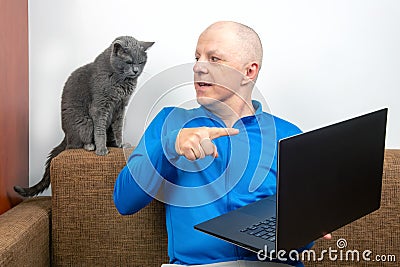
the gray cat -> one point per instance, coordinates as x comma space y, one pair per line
94, 100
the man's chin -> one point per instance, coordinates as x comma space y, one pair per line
206, 101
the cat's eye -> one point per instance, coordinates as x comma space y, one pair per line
130, 62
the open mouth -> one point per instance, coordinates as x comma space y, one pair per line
203, 84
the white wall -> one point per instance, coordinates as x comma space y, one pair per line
324, 60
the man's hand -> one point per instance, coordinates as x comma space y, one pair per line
327, 237
195, 143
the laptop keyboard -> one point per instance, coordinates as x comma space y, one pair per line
264, 229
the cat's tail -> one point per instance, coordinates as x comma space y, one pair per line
45, 182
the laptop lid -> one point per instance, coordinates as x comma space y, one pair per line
328, 178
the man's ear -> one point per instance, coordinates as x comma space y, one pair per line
251, 73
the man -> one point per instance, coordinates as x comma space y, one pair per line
207, 161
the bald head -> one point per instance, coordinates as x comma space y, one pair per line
248, 42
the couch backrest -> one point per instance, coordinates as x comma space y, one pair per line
87, 230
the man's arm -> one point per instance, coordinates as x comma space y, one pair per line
149, 165
141, 178
128, 197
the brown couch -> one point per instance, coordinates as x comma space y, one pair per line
79, 225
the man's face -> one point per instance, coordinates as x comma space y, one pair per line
218, 72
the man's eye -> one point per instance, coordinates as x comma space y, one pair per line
214, 59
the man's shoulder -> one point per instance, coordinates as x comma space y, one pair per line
178, 111
283, 127
176, 114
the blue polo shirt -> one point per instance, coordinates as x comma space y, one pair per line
195, 191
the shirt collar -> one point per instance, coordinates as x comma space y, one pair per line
257, 107
248, 119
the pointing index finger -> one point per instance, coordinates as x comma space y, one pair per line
216, 132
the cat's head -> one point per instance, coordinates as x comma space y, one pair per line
128, 56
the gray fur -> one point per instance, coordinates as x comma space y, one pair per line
94, 100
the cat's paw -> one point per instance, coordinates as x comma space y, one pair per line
102, 151
126, 145
89, 147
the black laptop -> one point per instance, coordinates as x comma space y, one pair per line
327, 178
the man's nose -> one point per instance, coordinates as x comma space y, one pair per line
200, 67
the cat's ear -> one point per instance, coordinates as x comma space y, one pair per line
117, 48
146, 45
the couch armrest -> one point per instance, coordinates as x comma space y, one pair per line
87, 229
24, 234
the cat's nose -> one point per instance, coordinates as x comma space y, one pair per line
135, 70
